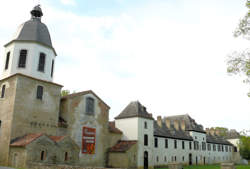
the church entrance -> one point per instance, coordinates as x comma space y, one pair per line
190, 159
145, 160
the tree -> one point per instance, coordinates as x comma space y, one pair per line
245, 147
65, 92
239, 62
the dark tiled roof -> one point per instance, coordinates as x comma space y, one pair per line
83, 93
190, 123
170, 132
134, 109
25, 140
217, 139
113, 129
122, 146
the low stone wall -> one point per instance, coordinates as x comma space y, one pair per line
54, 166
175, 166
227, 166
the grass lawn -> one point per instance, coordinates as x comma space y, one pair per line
212, 167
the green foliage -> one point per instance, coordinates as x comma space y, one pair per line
245, 147
65, 92
223, 131
211, 167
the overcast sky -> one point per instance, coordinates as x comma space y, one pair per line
168, 54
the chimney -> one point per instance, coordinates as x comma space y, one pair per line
217, 132
207, 131
159, 121
167, 122
183, 125
176, 124
212, 131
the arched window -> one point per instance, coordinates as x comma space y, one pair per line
66, 156
42, 155
145, 125
3, 91
39, 92
22, 58
7, 61
90, 105
41, 63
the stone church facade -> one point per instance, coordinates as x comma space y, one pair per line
37, 125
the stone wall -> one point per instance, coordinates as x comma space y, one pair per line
51, 166
73, 111
6, 116
32, 115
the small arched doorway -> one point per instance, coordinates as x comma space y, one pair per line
145, 160
190, 159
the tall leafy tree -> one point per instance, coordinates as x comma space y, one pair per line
239, 61
245, 147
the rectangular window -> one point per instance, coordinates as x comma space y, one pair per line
41, 63
222, 148
52, 68
22, 59
39, 93
90, 105
183, 145
166, 143
3, 91
156, 142
7, 61
203, 146
175, 144
209, 147
145, 139
145, 125
214, 147
190, 145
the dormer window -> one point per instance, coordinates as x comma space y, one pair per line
22, 58
41, 63
90, 105
39, 92
3, 91
7, 61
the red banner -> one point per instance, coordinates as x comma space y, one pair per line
88, 140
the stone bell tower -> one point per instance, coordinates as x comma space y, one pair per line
29, 100
30, 52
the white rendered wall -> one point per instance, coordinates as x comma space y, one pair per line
32, 59
170, 153
141, 147
129, 127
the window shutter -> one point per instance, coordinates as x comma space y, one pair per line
41, 64
7, 61
3, 91
39, 94
22, 59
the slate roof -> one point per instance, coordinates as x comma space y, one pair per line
33, 30
113, 129
190, 123
134, 109
25, 140
170, 132
217, 139
122, 146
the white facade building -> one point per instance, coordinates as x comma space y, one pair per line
171, 139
